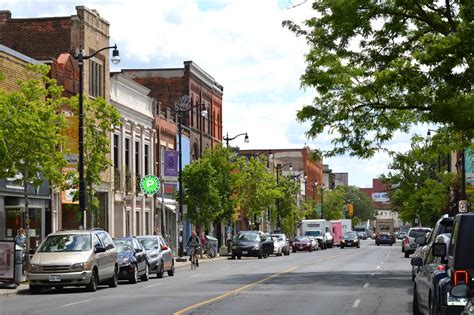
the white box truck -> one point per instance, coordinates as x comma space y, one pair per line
320, 229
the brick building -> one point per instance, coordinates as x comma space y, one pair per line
13, 66
168, 85
50, 40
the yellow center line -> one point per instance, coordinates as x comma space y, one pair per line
220, 297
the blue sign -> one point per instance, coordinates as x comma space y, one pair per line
170, 163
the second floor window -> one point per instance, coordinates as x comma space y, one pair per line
127, 153
146, 153
116, 151
96, 78
137, 158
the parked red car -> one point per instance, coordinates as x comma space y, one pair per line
302, 243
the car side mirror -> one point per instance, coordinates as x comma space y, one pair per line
156, 247
417, 261
439, 250
164, 247
460, 290
99, 249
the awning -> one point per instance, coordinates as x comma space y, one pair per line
168, 203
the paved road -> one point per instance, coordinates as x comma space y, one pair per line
369, 280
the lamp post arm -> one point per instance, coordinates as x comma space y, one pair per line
230, 139
95, 53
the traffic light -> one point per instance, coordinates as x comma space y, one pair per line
350, 209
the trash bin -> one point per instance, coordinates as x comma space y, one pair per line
213, 242
19, 254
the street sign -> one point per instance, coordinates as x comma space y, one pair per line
462, 205
150, 185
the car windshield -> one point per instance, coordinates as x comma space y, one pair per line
123, 245
252, 237
349, 236
301, 239
312, 233
418, 233
149, 243
66, 243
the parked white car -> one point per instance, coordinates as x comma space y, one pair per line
277, 246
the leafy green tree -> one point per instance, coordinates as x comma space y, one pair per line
363, 206
224, 162
257, 188
32, 128
289, 211
201, 192
420, 181
380, 66
333, 204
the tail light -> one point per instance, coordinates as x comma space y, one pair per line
441, 267
406, 240
461, 276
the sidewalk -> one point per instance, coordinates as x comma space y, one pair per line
24, 289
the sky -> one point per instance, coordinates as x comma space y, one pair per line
243, 46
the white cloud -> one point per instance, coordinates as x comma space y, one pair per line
242, 44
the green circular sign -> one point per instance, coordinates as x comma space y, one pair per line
150, 184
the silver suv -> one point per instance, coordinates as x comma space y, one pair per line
74, 258
409, 245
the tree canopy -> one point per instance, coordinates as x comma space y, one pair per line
378, 67
419, 182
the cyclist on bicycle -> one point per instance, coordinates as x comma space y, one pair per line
194, 243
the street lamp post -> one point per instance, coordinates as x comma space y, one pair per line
227, 139
80, 57
279, 168
322, 201
182, 106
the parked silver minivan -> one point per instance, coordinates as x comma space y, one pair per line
74, 258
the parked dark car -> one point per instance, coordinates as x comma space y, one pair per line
286, 242
302, 243
430, 270
159, 256
384, 238
460, 268
350, 239
252, 244
132, 259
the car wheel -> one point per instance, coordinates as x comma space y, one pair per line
260, 254
342, 247
35, 289
146, 275
358, 246
407, 254
159, 274
403, 249
294, 251
134, 278
232, 257
171, 271
416, 310
113, 282
391, 244
92, 286
239, 257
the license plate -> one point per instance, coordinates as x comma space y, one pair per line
54, 278
245, 252
457, 301
301, 247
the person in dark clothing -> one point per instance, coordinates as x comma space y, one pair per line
194, 243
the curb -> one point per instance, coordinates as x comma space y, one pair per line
23, 287
187, 264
